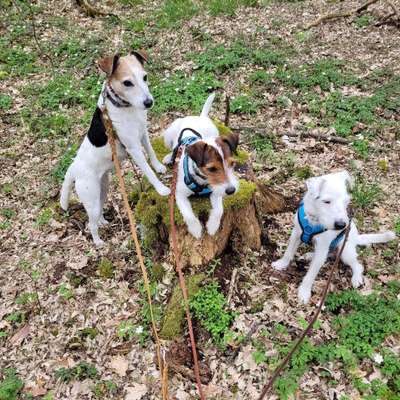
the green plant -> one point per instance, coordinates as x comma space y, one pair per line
173, 12
361, 146
44, 217
397, 226
244, 105
183, 93
227, 7
10, 385
16, 317
105, 389
105, 268
126, 330
210, 309
26, 298
5, 102
65, 292
363, 20
63, 164
365, 194
80, 372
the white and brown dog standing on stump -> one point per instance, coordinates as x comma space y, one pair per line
321, 220
205, 167
127, 98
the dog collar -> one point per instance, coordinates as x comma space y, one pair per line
115, 98
309, 230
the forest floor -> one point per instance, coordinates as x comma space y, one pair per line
73, 324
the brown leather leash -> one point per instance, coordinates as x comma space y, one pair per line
180, 273
132, 224
306, 331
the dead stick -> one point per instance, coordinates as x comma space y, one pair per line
227, 110
343, 14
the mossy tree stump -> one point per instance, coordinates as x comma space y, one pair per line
240, 218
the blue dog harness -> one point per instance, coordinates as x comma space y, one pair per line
309, 230
191, 183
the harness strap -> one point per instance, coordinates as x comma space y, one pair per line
115, 98
309, 230
197, 188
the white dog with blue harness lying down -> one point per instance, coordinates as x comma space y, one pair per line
205, 167
322, 219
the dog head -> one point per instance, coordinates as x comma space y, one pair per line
128, 78
214, 158
327, 199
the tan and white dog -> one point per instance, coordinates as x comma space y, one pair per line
127, 98
205, 167
321, 220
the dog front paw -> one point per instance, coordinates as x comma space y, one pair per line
304, 294
163, 190
195, 228
103, 221
280, 265
212, 226
357, 280
167, 159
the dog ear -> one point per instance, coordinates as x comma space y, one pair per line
347, 179
141, 55
315, 186
232, 141
108, 64
197, 152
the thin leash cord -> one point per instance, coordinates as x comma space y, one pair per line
132, 225
306, 331
180, 273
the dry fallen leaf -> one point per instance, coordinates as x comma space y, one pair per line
18, 338
119, 365
135, 392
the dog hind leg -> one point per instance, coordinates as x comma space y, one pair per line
89, 191
66, 189
349, 257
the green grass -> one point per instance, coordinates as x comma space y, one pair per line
173, 12
365, 194
10, 385
182, 92
210, 308
364, 21
244, 105
16, 61
227, 7
63, 164
362, 148
5, 102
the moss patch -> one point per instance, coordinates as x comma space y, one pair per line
105, 268
153, 209
160, 148
175, 313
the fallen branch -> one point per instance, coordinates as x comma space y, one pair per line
91, 11
338, 14
320, 136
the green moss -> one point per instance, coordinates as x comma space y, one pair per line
222, 128
160, 148
105, 268
153, 209
157, 272
175, 313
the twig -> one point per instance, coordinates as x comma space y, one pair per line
227, 110
91, 11
343, 14
232, 285
320, 136
306, 331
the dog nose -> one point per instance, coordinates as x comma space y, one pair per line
230, 190
148, 103
340, 225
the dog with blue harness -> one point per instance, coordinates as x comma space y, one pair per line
206, 166
322, 219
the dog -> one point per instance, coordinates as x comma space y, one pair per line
322, 219
206, 166
127, 98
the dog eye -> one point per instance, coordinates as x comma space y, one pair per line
127, 83
145, 78
327, 201
212, 169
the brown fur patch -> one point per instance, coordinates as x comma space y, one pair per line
125, 66
209, 162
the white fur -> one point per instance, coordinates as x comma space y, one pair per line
91, 165
328, 188
209, 132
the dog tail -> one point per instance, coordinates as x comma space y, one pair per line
369, 238
66, 189
207, 105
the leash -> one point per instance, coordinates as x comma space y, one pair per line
180, 273
162, 365
306, 331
